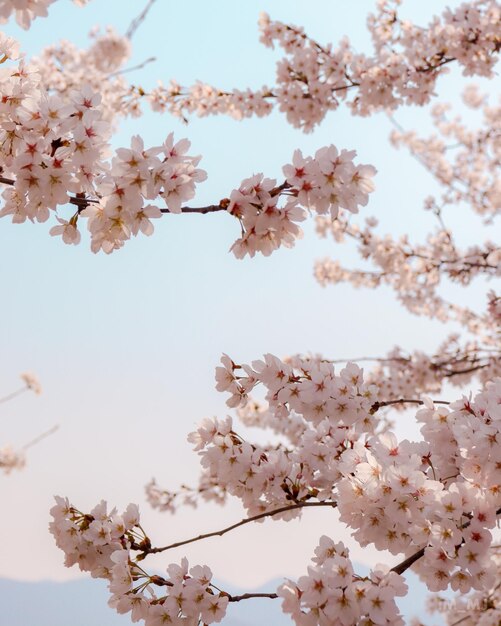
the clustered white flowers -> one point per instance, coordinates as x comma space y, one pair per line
11, 459
104, 544
331, 593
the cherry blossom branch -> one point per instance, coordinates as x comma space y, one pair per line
83, 203
254, 518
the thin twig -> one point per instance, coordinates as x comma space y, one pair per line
212, 208
137, 21
377, 405
44, 435
254, 518
133, 68
13, 394
248, 596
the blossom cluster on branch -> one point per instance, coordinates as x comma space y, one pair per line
313, 79
27, 10
54, 152
432, 502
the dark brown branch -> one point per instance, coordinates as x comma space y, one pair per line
466, 371
83, 202
401, 567
212, 208
254, 518
377, 405
248, 596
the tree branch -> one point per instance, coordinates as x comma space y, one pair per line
254, 518
377, 405
211, 208
248, 596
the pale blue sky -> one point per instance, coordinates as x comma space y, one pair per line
125, 345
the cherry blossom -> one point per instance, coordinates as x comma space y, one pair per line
433, 503
27, 10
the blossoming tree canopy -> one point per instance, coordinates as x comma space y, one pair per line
434, 504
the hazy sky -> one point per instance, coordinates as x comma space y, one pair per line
125, 345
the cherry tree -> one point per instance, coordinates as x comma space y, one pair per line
434, 504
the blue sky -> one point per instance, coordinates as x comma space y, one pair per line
125, 345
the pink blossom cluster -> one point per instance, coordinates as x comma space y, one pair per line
105, 544
202, 99
26, 11
266, 478
402, 374
479, 608
32, 382
325, 183
65, 68
136, 175
11, 459
304, 386
313, 79
53, 148
331, 593
320, 414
